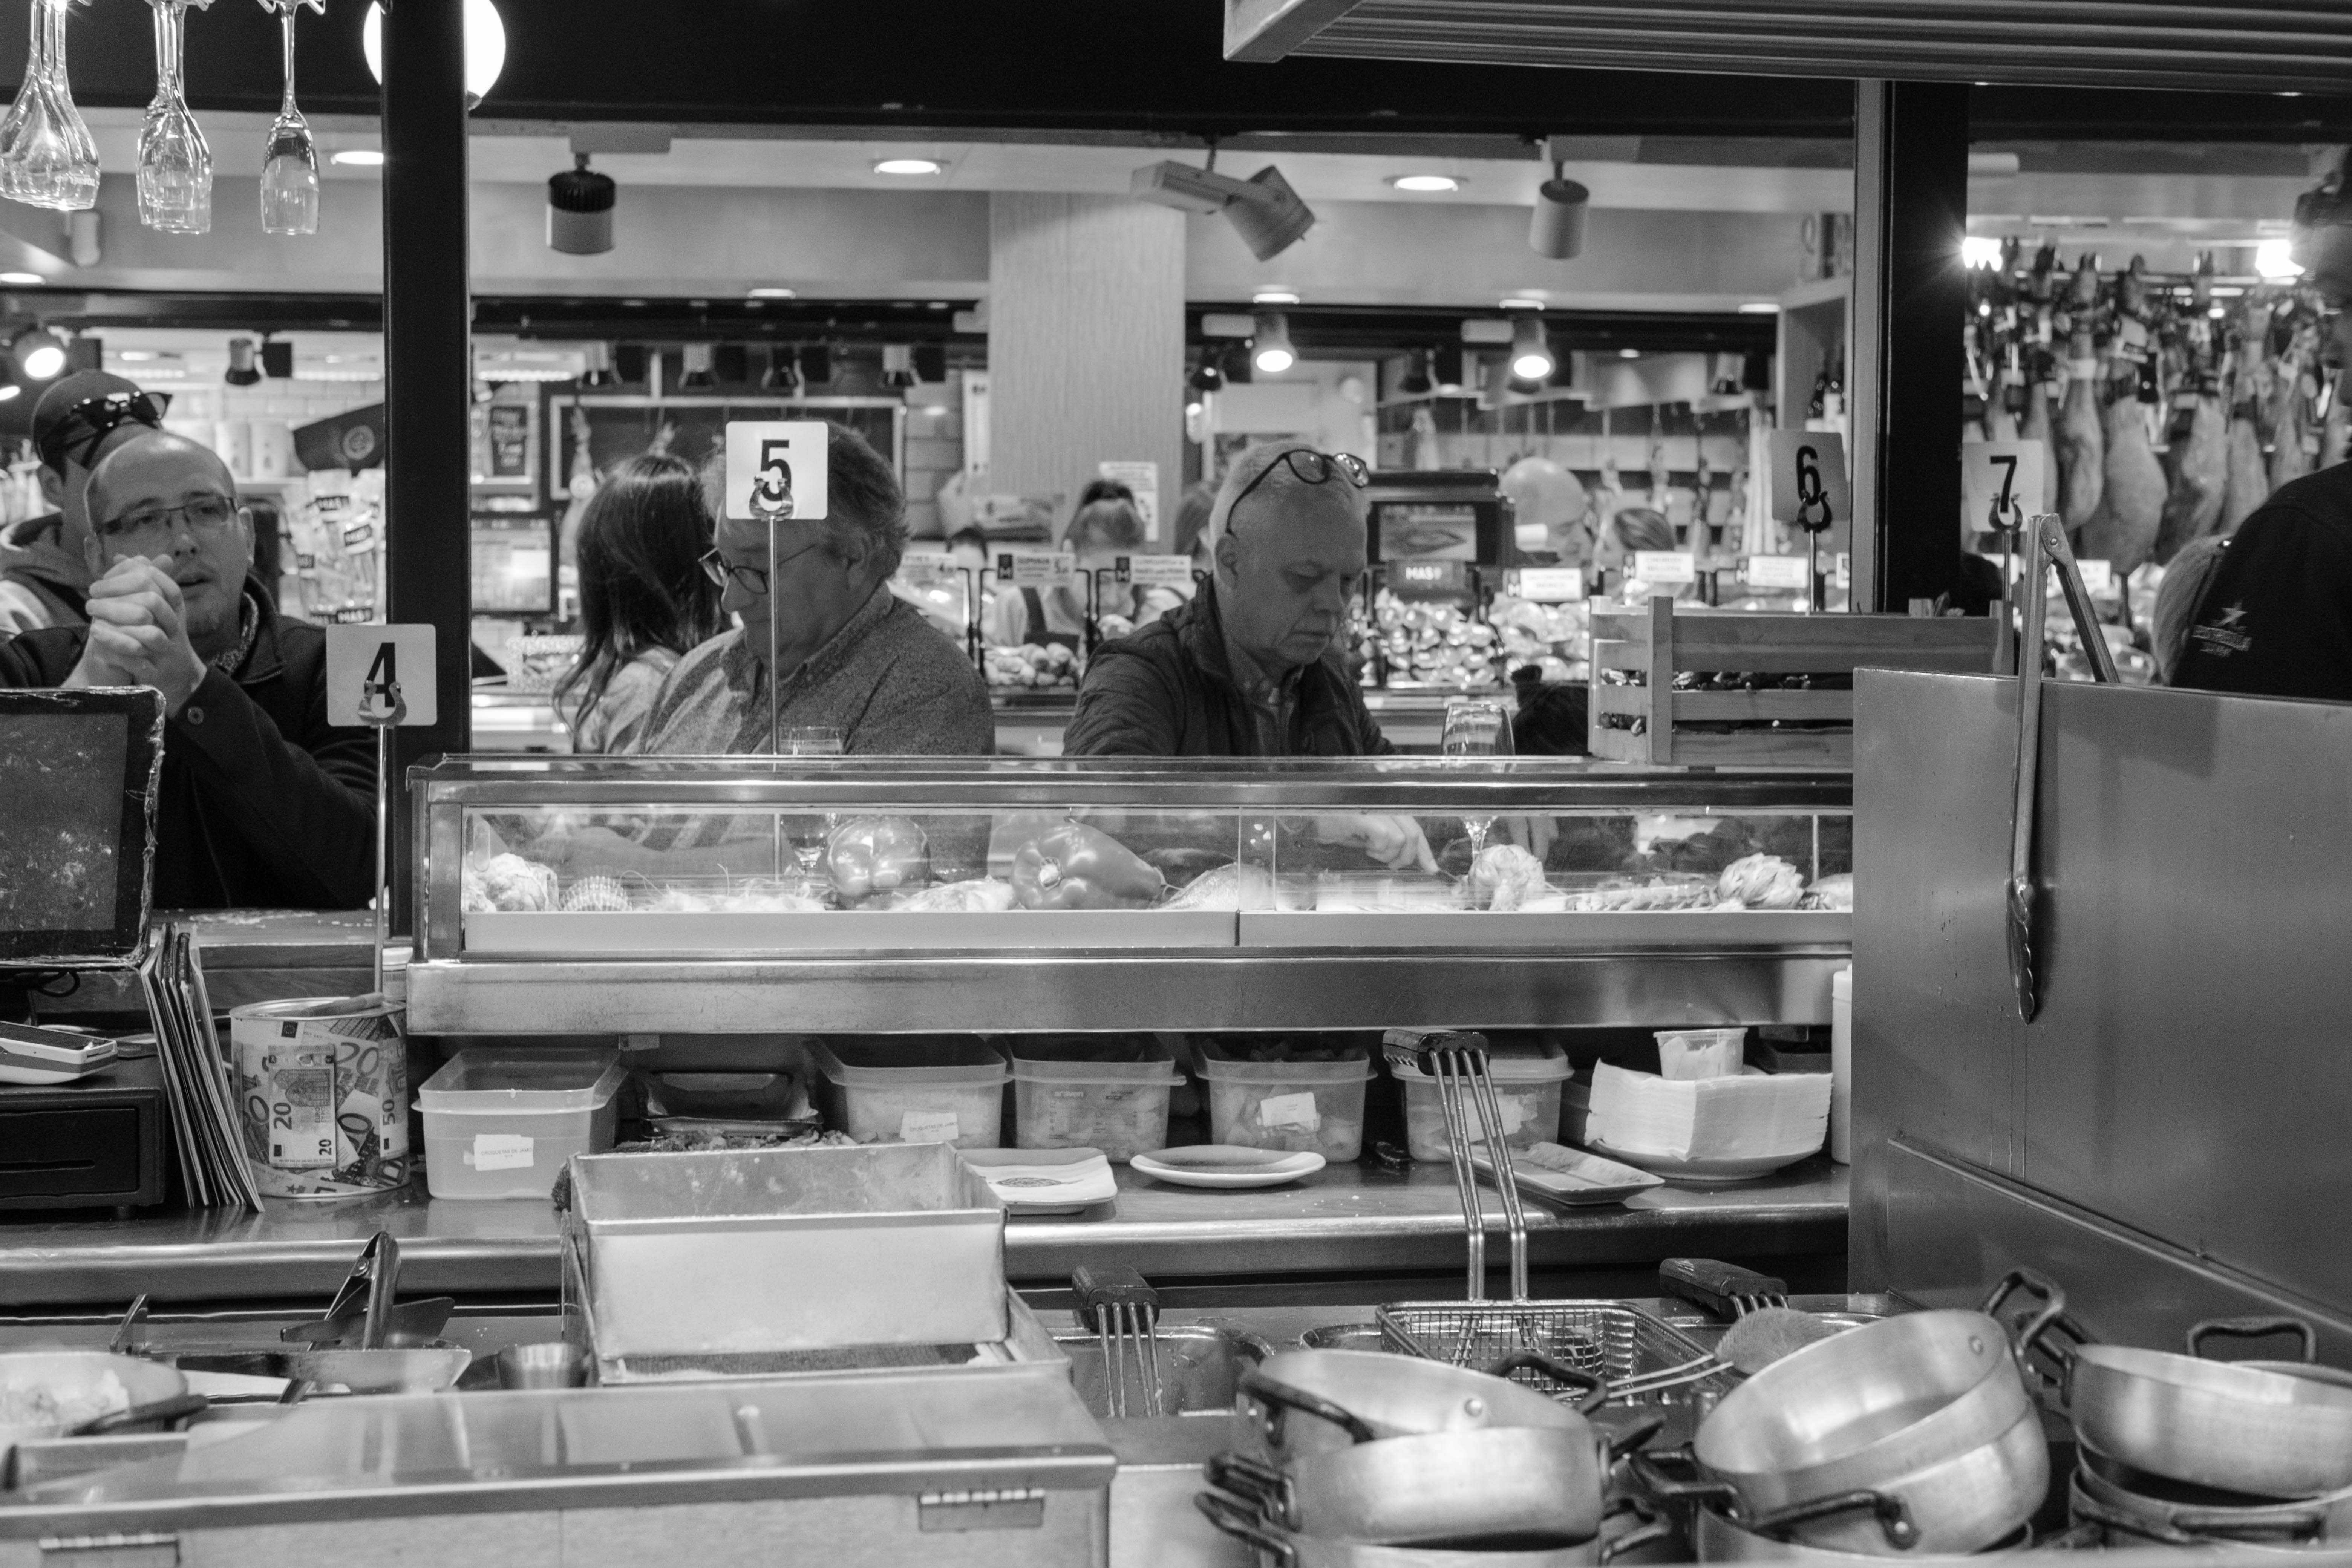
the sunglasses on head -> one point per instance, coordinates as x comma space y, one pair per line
1310, 468
84, 427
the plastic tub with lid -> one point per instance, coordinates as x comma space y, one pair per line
911, 1089
1308, 1106
1108, 1093
1528, 1077
500, 1122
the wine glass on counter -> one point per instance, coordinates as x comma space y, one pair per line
176, 162
1476, 727
47, 156
289, 164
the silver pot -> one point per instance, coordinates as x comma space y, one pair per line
2148, 1507
2272, 1429
1717, 1537
1929, 1409
1386, 1396
1278, 1548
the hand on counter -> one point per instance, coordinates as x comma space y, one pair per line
1396, 842
139, 635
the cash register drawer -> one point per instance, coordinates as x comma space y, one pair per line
96, 1143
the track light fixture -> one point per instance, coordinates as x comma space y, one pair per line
596, 374
1270, 350
1556, 227
897, 366
1208, 375
1416, 382
39, 354
697, 376
580, 204
242, 369
1263, 210
1532, 356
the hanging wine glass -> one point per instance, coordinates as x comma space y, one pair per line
289, 166
48, 157
175, 163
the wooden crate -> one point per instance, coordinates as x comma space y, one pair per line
1662, 644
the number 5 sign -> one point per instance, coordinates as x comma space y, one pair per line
370, 666
1809, 482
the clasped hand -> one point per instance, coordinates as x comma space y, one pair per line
138, 633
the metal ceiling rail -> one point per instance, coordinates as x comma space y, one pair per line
2282, 46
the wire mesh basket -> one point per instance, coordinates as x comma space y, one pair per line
1602, 1339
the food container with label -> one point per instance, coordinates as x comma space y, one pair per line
500, 1122
1280, 1103
1527, 1078
911, 1089
1105, 1091
320, 1085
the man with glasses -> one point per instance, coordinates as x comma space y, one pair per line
44, 578
262, 804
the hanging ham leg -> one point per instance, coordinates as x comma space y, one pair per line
2036, 427
2335, 431
2081, 441
2200, 475
2292, 443
2250, 482
2131, 503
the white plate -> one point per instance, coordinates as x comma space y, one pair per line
1746, 1169
1225, 1165
1571, 1176
1045, 1181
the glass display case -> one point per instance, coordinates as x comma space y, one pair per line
722, 893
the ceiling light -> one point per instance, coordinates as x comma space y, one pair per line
242, 369
596, 372
1193, 409
1522, 302
1274, 297
486, 48
1263, 210
1415, 381
359, 158
907, 166
1427, 183
697, 376
898, 367
580, 204
1979, 250
38, 354
22, 279
1271, 351
773, 293
784, 372
1208, 375
1759, 308
2271, 260
1531, 357
1629, 353
10, 390
1556, 226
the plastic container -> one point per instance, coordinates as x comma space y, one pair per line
1527, 1080
1316, 1106
1108, 1093
1841, 1066
911, 1089
501, 1123
1700, 1053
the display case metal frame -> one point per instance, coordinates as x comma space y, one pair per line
1781, 975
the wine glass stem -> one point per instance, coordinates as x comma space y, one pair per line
286, 22
167, 52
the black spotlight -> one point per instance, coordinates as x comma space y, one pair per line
1208, 375
1414, 382
629, 364
580, 204
816, 364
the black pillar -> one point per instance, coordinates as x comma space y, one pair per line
427, 314
1910, 307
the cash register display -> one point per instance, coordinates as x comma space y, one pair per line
78, 777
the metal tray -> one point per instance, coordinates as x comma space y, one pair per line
1604, 1339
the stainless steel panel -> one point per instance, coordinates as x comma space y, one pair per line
2183, 1079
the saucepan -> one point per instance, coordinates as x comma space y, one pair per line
1279, 1548
2273, 1429
1929, 1409
2207, 1512
1390, 1396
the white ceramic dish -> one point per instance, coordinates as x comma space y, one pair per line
1745, 1169
1225, 1165
1557, 1173
1045, 1181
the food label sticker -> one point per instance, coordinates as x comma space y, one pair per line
1665, 567
1778, 572
1159, 571
2098, 576
2001, 480
500, 1152
368, 666
1550, 585
1035, 568
776, 470
929, 1127
1289, 1111
301, 1118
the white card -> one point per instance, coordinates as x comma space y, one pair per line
1551, 584
500, 1152
776, 470
1778, 572
367, 665
929, 1127
1290, 1110
2001, 480
1810, 487
1665, 567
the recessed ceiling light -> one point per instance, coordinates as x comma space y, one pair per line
1521, 302
359, 158
1427, 184
22, 279
774, 293
1759, 308
1274, 297
134, 356
907, 167
1629, 353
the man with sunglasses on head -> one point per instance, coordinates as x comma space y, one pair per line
262, 804
44, 578
1252, 666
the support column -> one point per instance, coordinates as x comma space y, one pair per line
428, 320
1905, 356
1086, 342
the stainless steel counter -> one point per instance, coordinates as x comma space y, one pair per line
1347, 1220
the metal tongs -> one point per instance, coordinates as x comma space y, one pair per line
364, 1314
1457, 1060
2045, 546
1124, 1312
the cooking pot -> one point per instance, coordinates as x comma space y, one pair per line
1717, 1537
1929, 1409
76, 1380
2206, 1513
1386, 1396
2272, 1429
1278, 1548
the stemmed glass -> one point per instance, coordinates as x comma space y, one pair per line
1476, 727
289, 167
48, 157
175, 163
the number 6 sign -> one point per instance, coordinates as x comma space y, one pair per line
1809, 480
367, 666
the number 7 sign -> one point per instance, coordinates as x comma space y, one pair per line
371, 666
2001, 483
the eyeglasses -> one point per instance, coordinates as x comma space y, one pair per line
751, 579
1311, 467
84, 427
207, 515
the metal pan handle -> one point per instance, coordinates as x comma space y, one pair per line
1282, 1397
1651, 1476
1596, 1393
1255, 1482
2090, 1510
179, 1407
1232, 1519
1620, 1445
2302, 1525
2054, 1304
1640, 1536
1894, 1516
2254, 1329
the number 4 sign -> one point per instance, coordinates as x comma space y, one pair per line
368, 666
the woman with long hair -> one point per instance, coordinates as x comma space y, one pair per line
643, 598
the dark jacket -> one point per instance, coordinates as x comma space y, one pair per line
1166, 691
2276, 618
263, 805
41, 583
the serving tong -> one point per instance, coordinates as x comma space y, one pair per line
364, 1313
1123, 1310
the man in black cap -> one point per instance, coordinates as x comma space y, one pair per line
43, 575
2275, 620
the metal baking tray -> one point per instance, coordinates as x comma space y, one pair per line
769, 1251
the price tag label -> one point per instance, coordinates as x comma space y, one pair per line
1156, 571
1548, 584
370, 665
500, 1152
1809, 488
2098, 576
1778, 572
775, 470
1843, 576
1291, 1111
1999, 480
930, 572
1429, 576
1035, 568
1660, 566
